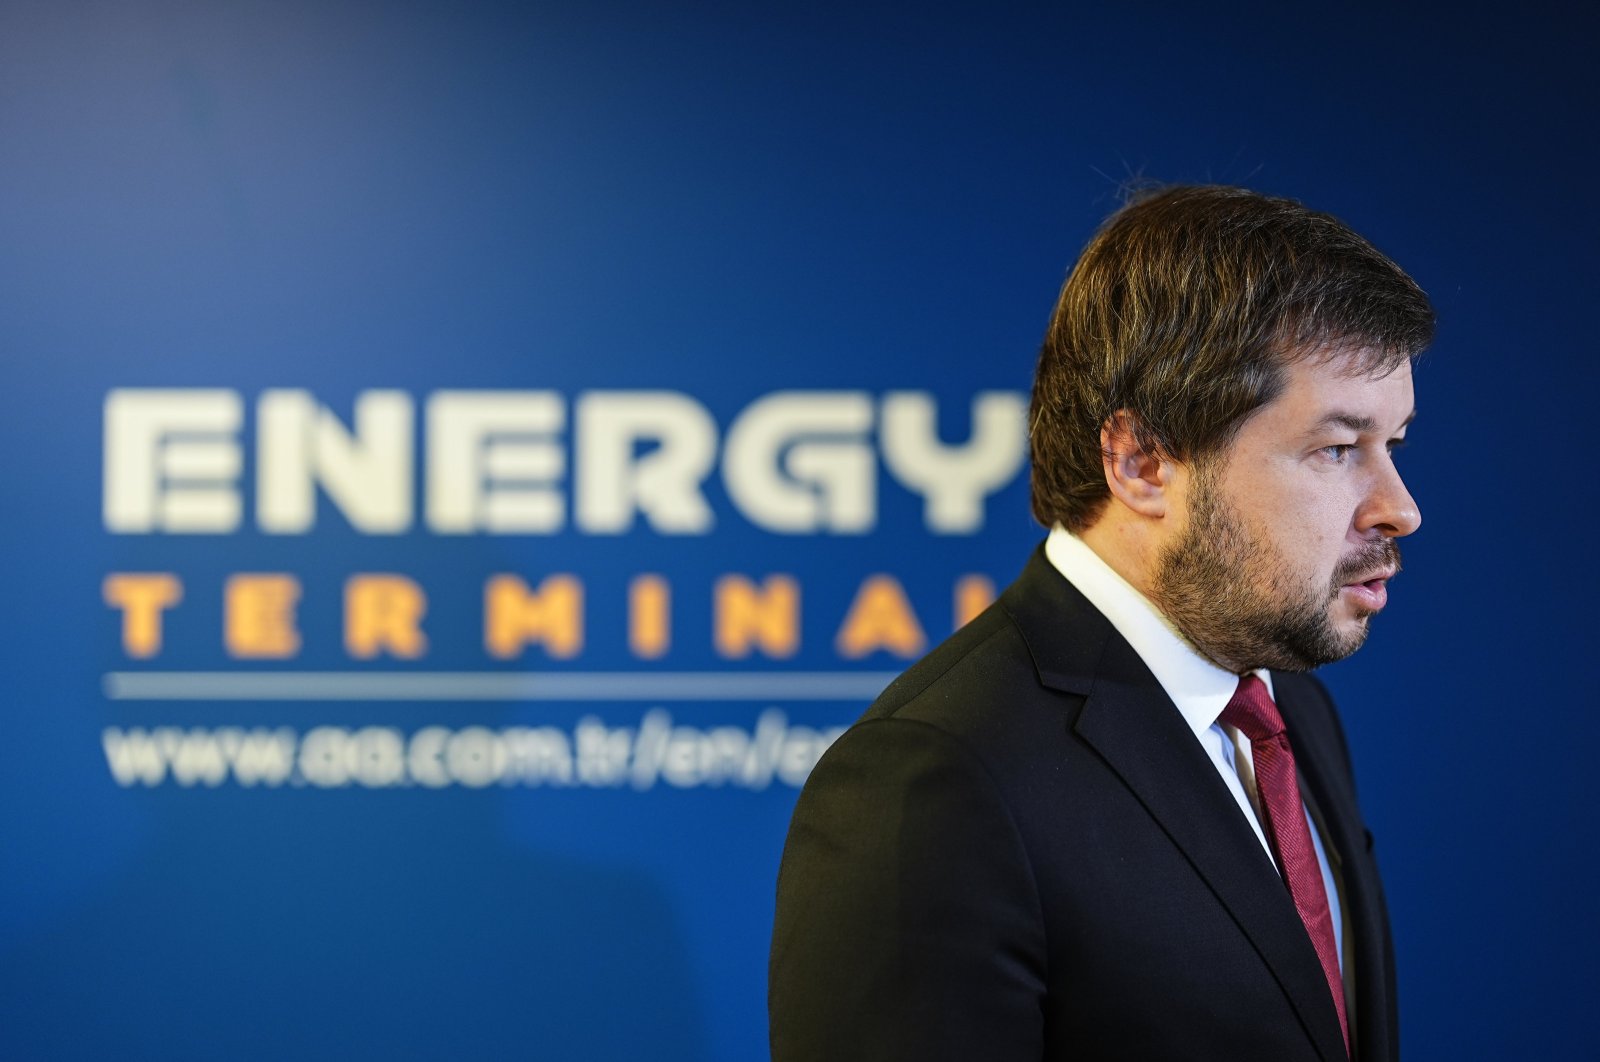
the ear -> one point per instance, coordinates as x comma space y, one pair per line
1138, 478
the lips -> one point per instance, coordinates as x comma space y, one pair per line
1363, 578
1382, 575
1370, 593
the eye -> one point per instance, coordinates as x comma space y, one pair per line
1338, 452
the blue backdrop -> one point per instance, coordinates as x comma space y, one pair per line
229, 830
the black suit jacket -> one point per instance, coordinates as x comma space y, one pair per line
1021, 852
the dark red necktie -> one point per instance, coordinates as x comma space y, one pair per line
1253, 714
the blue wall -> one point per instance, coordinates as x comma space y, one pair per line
722, 203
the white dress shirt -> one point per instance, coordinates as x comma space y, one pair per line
1199, 688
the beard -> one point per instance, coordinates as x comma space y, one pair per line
1239, 601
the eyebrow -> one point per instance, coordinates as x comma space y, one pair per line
1354, 421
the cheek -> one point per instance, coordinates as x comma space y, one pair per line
1311, 528
1306, 518
1329, 535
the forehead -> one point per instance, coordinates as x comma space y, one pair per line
1336, 384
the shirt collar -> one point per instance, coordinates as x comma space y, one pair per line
1199, 688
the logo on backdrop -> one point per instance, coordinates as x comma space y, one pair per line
482, 463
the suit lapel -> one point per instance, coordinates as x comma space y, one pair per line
1129, 720
1320, 770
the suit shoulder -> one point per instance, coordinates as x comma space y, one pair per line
979, 688
985, 657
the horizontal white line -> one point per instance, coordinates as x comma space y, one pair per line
495, 685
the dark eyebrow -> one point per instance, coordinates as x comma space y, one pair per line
1354, 421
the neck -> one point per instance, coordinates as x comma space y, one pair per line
1126, 551
1130, 551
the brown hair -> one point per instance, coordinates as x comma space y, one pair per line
1184, 310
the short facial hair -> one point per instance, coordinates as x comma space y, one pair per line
1236, 598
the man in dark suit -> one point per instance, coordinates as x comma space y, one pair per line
1113, 817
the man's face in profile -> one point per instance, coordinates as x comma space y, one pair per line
1290, 540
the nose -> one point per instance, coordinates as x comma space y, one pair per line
1389, 509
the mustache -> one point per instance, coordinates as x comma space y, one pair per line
1380, 556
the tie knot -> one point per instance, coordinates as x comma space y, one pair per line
1251, 711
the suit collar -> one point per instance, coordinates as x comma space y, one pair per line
1129, 720
1044, 607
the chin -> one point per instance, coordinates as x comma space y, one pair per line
1352, 640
